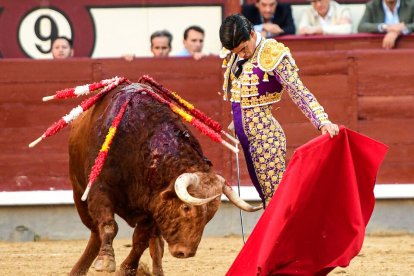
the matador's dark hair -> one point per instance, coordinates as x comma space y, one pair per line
234, 30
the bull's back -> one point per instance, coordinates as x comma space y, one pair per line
149, 132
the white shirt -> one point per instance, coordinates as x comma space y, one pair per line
391, 17
327, 20
331, 23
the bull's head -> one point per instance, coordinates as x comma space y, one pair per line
184, 211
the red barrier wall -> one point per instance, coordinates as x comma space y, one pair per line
364, 90
342, 42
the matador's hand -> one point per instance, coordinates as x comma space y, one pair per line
332, 129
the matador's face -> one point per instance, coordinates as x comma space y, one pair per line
245, 50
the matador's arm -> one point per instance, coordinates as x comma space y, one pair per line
287, 72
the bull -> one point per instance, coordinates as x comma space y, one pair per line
155, 177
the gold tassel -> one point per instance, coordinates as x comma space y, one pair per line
224, 65
265, 77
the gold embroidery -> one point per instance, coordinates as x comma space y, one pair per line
252, 79
248, 68
261, 100
267, 153
265, 77
235, 97
270, 54
300, 95
228, 78
249, 91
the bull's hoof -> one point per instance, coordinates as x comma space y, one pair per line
105, 263
143, 270
126, 272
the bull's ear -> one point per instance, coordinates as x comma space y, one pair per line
168, 194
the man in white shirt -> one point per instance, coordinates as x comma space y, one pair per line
325, 17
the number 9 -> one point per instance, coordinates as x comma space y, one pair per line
39, 27
52, 34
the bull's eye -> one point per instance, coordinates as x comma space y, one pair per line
186, 208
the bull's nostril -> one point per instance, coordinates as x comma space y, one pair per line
180, 254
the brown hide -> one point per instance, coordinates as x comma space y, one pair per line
151, 148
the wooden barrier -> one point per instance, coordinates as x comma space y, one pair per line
361, 41
364, 90
296, 2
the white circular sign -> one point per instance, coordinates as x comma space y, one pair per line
38, 28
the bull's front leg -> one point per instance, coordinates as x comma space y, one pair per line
156, 248
145, 235
102, 211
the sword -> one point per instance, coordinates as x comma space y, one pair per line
231, 127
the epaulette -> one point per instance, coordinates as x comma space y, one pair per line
270, 55
224, 55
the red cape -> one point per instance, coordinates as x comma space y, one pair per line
316, 220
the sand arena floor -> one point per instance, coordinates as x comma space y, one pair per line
382, 254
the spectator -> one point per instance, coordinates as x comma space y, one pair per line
160, 44
193, 43
325, 17
62, 48
392, 17
270, 18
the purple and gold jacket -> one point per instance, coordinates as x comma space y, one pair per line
264, 77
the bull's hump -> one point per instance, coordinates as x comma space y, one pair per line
133, 88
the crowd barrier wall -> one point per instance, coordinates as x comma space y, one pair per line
369, 91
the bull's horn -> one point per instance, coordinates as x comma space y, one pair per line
181, 184
235, 199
